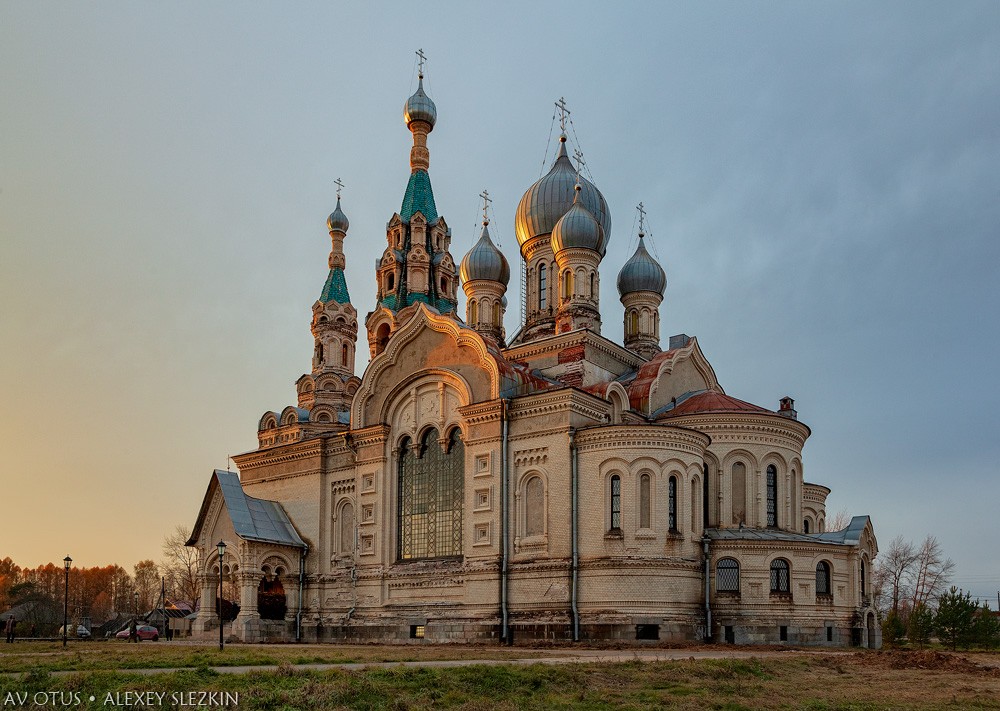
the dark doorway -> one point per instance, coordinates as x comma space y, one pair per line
271, 603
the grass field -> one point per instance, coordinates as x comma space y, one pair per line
775, 680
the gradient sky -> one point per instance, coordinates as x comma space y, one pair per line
821, 181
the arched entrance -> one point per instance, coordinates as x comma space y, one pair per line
271, 601
871, 630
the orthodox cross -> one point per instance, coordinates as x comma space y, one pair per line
340, 185
485, 195
420, 62
580, 162
563, 113
642, 217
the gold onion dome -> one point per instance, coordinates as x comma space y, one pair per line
577, 229
485, 261
419, 107
552, 196
337, 221
641, 273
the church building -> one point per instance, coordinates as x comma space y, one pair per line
471, 485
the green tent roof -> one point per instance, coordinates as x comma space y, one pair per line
335, 288
419, 198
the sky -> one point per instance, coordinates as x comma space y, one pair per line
821, 183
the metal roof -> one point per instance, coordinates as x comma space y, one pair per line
419, 197
253, 519
850, 536
485, 261
641, 273
335, 288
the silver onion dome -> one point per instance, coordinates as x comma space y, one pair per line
641, 273
577, 229
485, 261
419, 107
337, 219
552, 196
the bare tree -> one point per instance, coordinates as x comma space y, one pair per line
895, 566
839, 522
930, 573
180, 565
147, 584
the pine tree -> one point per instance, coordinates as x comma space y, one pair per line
955, 617
921, 625
986, 628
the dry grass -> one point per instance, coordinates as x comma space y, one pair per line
780, 680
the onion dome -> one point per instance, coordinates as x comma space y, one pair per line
641, 273
552, 196
337, 221
485, 261
419, 107
577, 229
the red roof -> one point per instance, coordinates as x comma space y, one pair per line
712, 401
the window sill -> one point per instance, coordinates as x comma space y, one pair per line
615, 534
780, 596
645, 534
822, 599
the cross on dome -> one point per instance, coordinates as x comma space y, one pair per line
340, 186
642, 218
563, 113
485, 195
422, 58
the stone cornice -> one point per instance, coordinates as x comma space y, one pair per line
609, 437
749, 427
294, 451
481, 412
554, 344
564, 399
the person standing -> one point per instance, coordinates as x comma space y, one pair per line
9, 628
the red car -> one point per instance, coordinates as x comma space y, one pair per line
145, 632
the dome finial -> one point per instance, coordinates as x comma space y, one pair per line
419, 107
421, 58
485, 195
338, 220
563, 116
642, 219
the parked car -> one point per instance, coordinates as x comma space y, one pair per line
81, 631
145, 632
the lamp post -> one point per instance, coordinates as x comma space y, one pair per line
67, 561
222, 552
135, 614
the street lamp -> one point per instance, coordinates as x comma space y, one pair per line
67, 561
222, 552
135, 614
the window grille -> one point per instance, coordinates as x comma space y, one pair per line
543, 296
672, 503
644, 502
616, 502
822, 578
780, 576
772, 496
430, 498
727, 575
704, 496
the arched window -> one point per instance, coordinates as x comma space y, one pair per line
430, 497
593, 286
632, 325
381, 338
805, 526
346, 531
772, 496
780, 582
473, 312
644, 502
672, 504
497, 317
739, 493
343, 354
727, 575
862, 577
823, 578
543, 286
534, 507
567, 284
390, 282
704, 496
694, 504
616, 503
